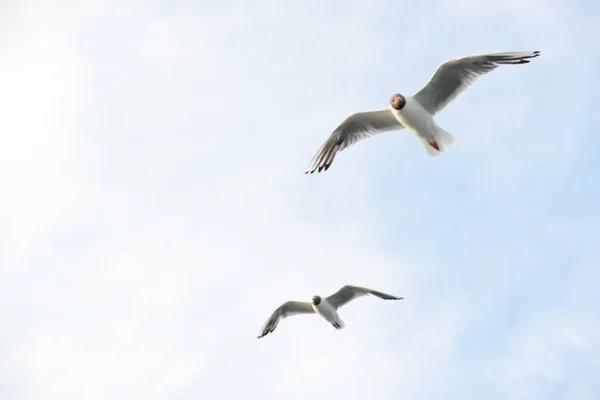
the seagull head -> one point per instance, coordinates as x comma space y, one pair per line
397, 101
316, 300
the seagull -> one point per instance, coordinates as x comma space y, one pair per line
416, 112
326, 308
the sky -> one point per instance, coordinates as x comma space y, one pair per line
154, 208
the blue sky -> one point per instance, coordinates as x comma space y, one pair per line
155, 210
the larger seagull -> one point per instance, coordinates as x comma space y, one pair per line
326, 308
416, 112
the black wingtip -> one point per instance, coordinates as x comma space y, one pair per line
322, 168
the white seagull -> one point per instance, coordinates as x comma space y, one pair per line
416, 112
326, 308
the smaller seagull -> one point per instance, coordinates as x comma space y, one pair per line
326, 308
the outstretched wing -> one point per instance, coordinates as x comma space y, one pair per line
287, 309
349, 292
356, 127
454, 76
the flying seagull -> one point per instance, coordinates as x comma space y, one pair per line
416, 112
326, 308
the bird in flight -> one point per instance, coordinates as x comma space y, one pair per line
416, 112
325, 307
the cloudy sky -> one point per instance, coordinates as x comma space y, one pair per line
154, 209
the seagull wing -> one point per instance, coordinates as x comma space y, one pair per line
453, 76
356, 127
348, 293
285, 310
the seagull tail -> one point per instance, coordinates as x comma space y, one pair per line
438, 143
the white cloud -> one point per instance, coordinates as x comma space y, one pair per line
41, 82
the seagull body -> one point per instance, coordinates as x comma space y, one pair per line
327, 311
325, 307
416, 112
417, 119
